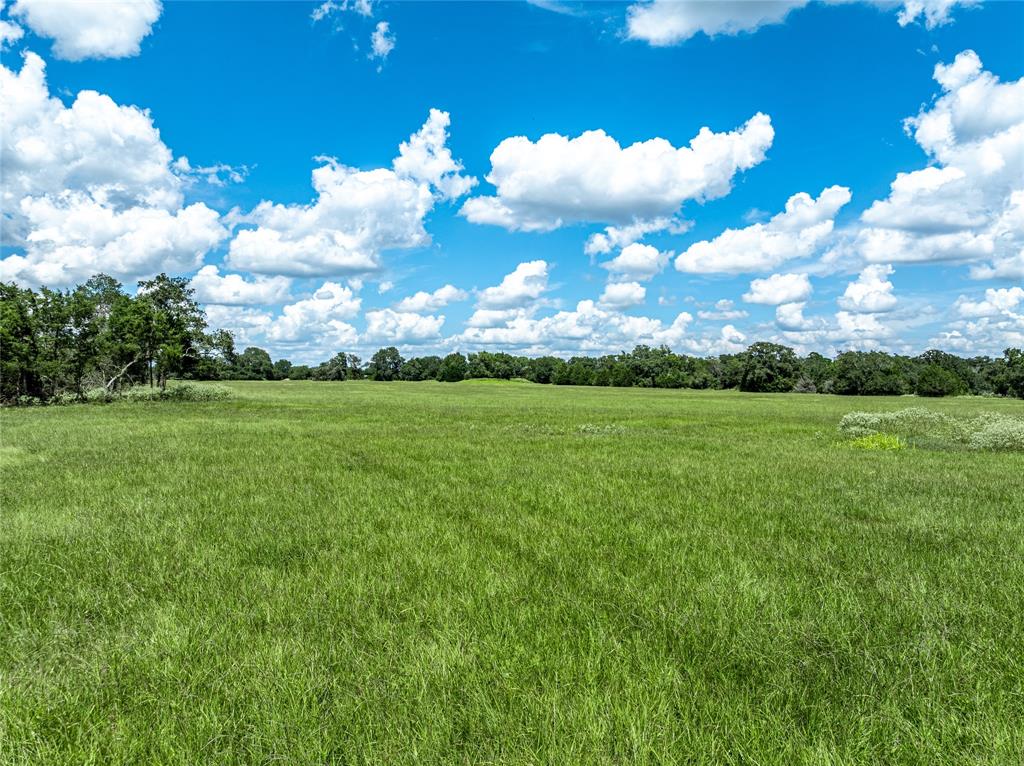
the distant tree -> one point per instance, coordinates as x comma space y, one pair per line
341, 366
255, 364
818, 370
299, 372
1011, 373
934, 380
769, 367
420, 368
544, 369
453, 368
386, 364
872, 373
282, 369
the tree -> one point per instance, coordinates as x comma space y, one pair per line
174, 326
769, 367
255, 364
386, 364
453, 368
341, 366
935, 380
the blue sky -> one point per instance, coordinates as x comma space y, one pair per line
443, 245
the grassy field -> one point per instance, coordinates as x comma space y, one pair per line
484, 573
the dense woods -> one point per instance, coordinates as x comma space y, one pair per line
61, 344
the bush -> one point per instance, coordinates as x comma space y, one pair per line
923, 427
1002, 434
179, 392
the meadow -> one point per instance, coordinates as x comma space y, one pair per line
504, 573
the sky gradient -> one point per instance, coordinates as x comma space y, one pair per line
538, 178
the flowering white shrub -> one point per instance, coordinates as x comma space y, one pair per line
924, 427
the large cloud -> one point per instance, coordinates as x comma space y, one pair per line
797, 232
389, 326
526, 283
779, 288
424, 301
357, 214
234, 290
622, 295
871, 293
90, 187
73, 236
84, 29
969, 204
669, 22
322, 313
637, 262
557, 180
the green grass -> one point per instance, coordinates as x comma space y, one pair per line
361, 573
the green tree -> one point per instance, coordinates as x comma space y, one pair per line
385, 364
769, 367
934, 380
255, 364
453, 368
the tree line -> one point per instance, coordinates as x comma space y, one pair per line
59, 343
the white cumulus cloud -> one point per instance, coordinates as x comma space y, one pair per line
234, 290
779, 288
557, 180
87, 29
797, 232
637, 262
622, 295
871, 293
424, 301
526, 283
357, 214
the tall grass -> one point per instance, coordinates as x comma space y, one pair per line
358, 573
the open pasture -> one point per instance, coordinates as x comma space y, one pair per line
486, 572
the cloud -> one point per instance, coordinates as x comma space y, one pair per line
779, 288
95, 146
388, 326
622, 236
997, 302
320, 314
73, 236
89, 30
356, 215
622, 295
382, 41
871, 293
637, 262
557, 180
328, 7
90, 187
670, 22
589, 327
234, 290
797, 232
526, 283
968, 205
790, 316
724, 309
424, 301
426, 158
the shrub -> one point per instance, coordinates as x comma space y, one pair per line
923, 427
1002, 434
